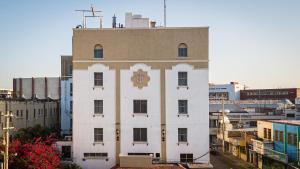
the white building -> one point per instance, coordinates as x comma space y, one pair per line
229, 91
136, 21
140, 92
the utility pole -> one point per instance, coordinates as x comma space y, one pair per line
6, 129
223, 126
165, 14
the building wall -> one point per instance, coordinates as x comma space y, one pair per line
292, 150
279, 146
232, 90
197, 122
151, 121
24, 119
39, 88
65, 102
260, 128
84, 122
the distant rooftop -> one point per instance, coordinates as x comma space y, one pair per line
292, 122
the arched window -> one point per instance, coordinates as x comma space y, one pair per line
98, 51
182, 50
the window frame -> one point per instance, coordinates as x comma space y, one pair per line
182, 50
98, 109
140, 106
183, 105
98, 81
98, 137
182, 77
186, 158
140, 137
98, 52
182, 135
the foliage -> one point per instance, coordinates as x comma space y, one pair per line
70, 166
37, 154
26, 135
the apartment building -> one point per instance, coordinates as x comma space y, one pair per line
28, 113
141, 91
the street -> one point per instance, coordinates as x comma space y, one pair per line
221, 161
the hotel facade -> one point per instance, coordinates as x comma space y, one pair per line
141, 91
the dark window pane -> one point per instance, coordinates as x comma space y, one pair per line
136, 106
143, 134
144, 106
182, 78
98, 79
182, 52
136, 134
98, 106
98, 53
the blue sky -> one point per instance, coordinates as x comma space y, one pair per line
254, 42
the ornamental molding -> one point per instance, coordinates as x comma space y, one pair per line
140, 79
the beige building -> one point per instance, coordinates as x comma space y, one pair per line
28, 113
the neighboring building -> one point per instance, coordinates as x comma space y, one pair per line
136, 21
140, 92
36, 88
277, 144
66, 95
271, 94
247, 112
28, 113
229, 91
297, 103
5, 93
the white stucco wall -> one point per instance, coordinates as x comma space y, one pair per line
232, 89
151, 93
65, 106
197, 123
84, 122
136, 21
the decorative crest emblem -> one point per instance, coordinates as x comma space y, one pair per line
140, 79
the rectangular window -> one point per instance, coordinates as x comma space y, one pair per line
21, 113
182, 78
276, 137
186, 158
98, 53
269, 134
289, 139
265, 133
98, 79
281, 136
95, 155
71, 89
98, 134
182, 52
182, 134
182, 106
98, 106
17, 113
140, 134
295, 140
139, 106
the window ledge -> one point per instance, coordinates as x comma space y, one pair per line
98, 143
98, 115
182, 142
183, 57
182, 114
99, 58
140, 114
184, 87
140, 142
98, 87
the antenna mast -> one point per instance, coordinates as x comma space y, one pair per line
165, 14
93, 13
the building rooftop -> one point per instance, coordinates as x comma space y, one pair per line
292, 122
